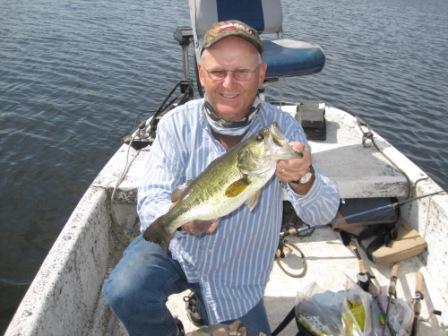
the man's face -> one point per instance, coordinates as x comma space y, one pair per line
231, 73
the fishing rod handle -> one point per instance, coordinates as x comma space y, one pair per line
374, 291
419, 282
393, 279
394, 272
362, 266
417, 301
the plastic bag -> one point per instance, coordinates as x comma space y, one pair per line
318, 311
400, 316
343, 313
234, 329
356, 314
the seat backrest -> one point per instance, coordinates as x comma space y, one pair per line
284, 57
263, 15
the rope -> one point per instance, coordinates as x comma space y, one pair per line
367, 135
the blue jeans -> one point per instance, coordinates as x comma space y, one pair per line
139, 285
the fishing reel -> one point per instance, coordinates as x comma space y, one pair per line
145, 133
143, 136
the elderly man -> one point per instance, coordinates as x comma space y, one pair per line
228, 260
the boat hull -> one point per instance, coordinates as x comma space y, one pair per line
65, 296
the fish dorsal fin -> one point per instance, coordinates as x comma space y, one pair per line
252, 201
237, 187
180, 192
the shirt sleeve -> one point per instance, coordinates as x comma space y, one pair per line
163, 173
320, 204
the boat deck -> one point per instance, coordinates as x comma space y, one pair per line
329, 263
64, 297
359, 171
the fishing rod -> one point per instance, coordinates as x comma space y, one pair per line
392, 293
145, 133
308, 229
365, 282
417, 302
388, 206
363, 275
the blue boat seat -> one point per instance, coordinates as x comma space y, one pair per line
292, 58
285, 57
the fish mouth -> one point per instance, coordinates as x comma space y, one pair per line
277, 135
279, 146
284, 153
275, 147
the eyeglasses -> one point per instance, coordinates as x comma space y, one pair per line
238, 74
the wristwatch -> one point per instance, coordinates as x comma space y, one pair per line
307, 177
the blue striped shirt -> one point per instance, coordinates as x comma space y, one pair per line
232, 265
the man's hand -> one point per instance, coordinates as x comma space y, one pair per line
198, 227
292, 170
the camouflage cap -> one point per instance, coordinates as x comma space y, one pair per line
223, 29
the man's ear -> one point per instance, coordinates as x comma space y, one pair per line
262, 70
201, 74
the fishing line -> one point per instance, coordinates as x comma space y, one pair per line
309, 229
127, 165
149, 128
280, 254
384, 207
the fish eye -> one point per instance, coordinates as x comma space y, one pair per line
260, 137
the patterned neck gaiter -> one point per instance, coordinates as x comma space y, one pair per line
237, 128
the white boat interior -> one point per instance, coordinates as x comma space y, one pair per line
65, 298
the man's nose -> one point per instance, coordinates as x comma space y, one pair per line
229, 79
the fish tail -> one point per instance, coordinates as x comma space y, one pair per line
158, 234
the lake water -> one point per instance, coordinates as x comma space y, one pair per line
76, 75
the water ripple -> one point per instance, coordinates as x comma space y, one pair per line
75, 75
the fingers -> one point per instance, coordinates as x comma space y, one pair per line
294, 169
199, 227
212, 227
297, 146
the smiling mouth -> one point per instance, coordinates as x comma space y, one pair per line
229, 95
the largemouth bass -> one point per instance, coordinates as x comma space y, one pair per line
228, 182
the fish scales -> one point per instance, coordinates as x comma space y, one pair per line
228, 182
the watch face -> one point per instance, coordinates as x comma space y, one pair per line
306, 178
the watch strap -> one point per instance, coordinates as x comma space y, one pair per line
310, 171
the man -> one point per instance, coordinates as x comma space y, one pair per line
228, 260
